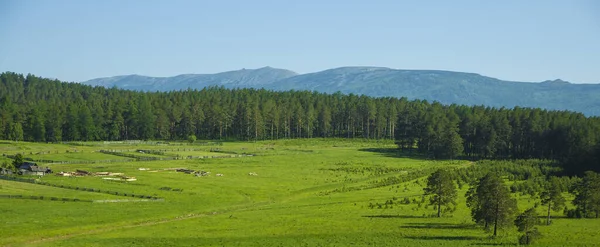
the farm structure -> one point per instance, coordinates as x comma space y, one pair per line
30, 168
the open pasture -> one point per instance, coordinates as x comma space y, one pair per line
313, 192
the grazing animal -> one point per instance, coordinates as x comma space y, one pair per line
219, 175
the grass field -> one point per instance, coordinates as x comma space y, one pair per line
312, 192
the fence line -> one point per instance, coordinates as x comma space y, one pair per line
51, 198
135, 157
136, 142
116, 193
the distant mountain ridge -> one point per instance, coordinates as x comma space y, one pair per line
446, 87
237, 78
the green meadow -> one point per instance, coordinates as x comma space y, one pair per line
306, 192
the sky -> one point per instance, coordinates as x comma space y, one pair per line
78, 40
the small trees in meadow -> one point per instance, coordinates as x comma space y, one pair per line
491, 203
552, 196
442, 190
525, 223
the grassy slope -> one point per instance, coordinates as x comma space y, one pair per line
281, 206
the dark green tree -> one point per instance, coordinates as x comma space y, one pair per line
490, 202
525, 223
587, 195
17, 161
86, 125
552, 196
36, 125
71, 127
442, 190
16, 132
145, 119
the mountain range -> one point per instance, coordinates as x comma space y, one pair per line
446, 87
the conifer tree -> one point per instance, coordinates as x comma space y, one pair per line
552, 196
525, 223
490, 203
442, 190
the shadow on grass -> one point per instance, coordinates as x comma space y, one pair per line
438, 226
450, 238
394, 216
544, 217
493, 244
396, 153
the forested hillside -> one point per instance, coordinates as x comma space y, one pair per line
37, 109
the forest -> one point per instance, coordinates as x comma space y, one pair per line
44, 110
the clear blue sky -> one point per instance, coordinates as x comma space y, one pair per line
514, 39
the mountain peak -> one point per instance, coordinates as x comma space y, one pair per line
556, 82
236, 78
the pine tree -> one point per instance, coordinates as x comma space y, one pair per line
86, 126
71, 126
145, 119
442, 190
491, 203
16, 131
525, 223
552, 196
36, 128
587, 195
17, 161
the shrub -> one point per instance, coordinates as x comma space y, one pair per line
406, 200
529, 237
573, 213
191, 138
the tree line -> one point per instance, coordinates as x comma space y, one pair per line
45, 110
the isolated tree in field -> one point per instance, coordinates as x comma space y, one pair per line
442, 190
18, 161
587, 195
491, 203
525, 223
552, 197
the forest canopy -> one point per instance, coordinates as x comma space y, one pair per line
45, 110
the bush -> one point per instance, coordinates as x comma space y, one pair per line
573, 213
514, 188
406, 200
191, 138
529, 237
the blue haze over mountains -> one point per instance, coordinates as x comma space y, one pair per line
446, 87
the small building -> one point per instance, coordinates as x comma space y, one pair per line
30, 168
